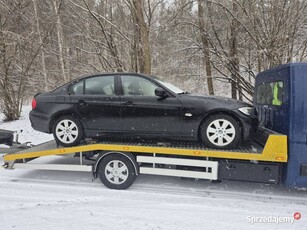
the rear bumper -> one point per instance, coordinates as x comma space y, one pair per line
39, 121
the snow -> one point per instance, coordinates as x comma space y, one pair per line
23, 126
36, 199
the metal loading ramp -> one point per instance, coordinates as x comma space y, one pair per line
275, 150
178, 159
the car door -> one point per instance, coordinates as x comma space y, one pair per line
144, 113
97, 104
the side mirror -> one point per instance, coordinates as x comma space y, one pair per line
160, 92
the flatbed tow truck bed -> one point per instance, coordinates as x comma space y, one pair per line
113, 161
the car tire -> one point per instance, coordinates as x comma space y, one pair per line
116, 172
220, 132
67, 131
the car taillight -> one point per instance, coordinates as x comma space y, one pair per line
33, 103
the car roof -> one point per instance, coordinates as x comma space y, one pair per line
116, 73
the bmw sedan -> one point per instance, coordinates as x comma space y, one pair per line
138, 106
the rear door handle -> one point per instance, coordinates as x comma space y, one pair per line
128, 103
81, 102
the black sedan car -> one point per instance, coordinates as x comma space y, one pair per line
138, 106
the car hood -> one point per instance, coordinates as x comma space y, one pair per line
223, 102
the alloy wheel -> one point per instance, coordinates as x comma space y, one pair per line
67, 131
116, 172
221, 132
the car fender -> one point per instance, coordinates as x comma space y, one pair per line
60, 113
222, 111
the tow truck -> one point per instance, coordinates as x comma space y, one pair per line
277, 154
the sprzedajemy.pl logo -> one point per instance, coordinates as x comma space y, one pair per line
273, 219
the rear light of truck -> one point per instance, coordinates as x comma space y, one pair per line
33, 103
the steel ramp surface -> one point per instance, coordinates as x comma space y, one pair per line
275, 150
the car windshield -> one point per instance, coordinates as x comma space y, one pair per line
171, 87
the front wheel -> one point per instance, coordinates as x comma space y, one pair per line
116, 171
220, 132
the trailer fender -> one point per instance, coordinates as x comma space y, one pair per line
128, 155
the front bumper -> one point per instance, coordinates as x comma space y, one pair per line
251, 131
249, 125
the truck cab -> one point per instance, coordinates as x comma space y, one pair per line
281, 103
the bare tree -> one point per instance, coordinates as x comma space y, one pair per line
46, 43
40, 39
205, 46
141, 36
17, 57
233, 52
60, 39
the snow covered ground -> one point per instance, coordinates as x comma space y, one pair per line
68, 200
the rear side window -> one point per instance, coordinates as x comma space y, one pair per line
103, 85
270, 93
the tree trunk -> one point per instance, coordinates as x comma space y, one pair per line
233, 51
205, 44
42, 56
59, 31
142, 36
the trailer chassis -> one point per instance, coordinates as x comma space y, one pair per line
117, 164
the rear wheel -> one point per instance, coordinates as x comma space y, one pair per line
67, 131
221, 132
116, 172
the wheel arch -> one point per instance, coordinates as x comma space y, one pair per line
220, 112
61, 114
128, 155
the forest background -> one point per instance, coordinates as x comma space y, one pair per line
213, 47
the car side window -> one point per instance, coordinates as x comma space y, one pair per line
102, 85
78, 88
137, 86
270, 93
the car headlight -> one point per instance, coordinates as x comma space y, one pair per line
247, 111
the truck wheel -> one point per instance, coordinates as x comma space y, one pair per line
220, 132
67, 131
116, 171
